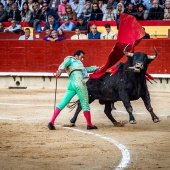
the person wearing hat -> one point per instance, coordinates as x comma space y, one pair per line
109, 15
14, 13
109, 34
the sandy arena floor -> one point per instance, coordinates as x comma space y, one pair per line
26, 143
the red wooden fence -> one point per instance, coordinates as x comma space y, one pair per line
42, 56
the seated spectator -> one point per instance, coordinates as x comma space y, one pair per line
78, 35
54, 4
45, 12
52, 24
14, 14
48, 34
119, 10
136, 3
3, 14
167, 11
94, 34
30, 5
130, 10
109, 34
8, 7
125, 3
27, 35
156, 13
55, 37
61, 9
67, 25
142, 13
71, 15
25, 13
81, 23
109, 15
40, 2
148, 4
96, 14
35, 15
102, 6
87, 10
14, 27
2, 29
113, 3
77, 7
147, 36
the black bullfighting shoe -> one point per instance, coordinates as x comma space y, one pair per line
51, 127
91, 127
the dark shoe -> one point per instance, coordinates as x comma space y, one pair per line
91, 127
51, 127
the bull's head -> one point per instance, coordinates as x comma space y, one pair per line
139, 59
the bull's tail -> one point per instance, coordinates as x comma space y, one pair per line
72, 105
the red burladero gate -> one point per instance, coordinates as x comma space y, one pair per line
42, 56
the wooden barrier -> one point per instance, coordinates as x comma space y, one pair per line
42, 56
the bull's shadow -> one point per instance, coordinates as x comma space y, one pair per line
127, 84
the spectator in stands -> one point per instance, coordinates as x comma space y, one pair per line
109, 14
2, 29
109, 34
142, 13
3, 14
27, 35
148, 4
167, 11
54, 4
130, 10
156, 13
14, 14
78, 35
136, 3
71, 15
35, 15
67, 25
8, 7
87, 10
19, 3
45, 12
125, 3
147, 36
119, 10
61, 9
81, 23
77, 7
40, 2
113, 3
48, 34
97, 14
94, 34
14, 27
55, 37
52, 24
30, 5
25, 13
102, 6
162, 3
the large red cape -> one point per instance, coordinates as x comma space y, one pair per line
130, 32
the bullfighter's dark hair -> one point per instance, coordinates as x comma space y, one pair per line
78, 52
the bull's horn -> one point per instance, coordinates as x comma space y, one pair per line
127, 53
153, 56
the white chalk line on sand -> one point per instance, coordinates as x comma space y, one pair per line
125, 152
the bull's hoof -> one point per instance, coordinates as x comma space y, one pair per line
69, 125
51, 126
132, 122
91, 127
118, 124
155, 120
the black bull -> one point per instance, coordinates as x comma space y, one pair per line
127, 84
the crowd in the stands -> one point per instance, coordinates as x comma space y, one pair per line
75, 14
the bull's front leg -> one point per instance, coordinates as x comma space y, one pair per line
126, 101
146, 99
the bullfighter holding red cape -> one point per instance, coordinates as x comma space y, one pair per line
130, 32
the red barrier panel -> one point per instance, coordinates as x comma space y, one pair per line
42, 56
